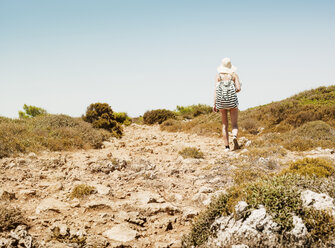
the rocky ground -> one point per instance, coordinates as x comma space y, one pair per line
145, 195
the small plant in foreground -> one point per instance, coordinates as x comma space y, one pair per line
320, 224
191, 152
280, 195
81, 190
10, 218
158, 116
311, 167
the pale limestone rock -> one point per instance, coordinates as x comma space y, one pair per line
205, 189
121, 232
32, 155
101, 189
239, 246
51, 204
318, 201
21, 236
299, 229
99, 203
258, 222
240, 209
27, 192
190, 213
145, 197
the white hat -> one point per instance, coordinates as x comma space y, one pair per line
226, 66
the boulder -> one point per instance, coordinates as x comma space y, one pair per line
51, 204
121, 233
318, 201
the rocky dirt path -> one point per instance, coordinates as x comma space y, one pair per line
145, 195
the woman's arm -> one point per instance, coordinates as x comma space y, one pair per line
237, 82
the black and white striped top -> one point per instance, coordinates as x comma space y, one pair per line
226, 97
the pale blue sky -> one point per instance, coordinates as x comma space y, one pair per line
137, 55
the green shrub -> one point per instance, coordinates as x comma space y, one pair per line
122, 118
200, 230
311, 167
191, 152
158, 116
280, 195
48, 132
101, 116
193, 110
31, 111
310, 135
81, 190
10, 218
319, 224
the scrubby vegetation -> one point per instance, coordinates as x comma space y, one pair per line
209, 124
191, 152
47, 132
311, 167
191, 111
300, 123
158, 116
122, 117
81, 190
31, 111
10, 217
101, 116
280, 194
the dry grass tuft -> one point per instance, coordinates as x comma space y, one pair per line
191, 152
10, 218
82, 190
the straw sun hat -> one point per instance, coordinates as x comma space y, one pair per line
226, 66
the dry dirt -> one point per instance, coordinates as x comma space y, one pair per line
146, 193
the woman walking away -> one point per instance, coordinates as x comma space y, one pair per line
227, 84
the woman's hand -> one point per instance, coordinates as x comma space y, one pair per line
238, 89
214, 109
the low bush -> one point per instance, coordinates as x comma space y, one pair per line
310, 135
10, 218
200, 230
122, 117
191, 152
158, 116
192, 111
101, 116
47, 132
171, 125
81, 190
319, 224
280, 195
311, 167
251, 126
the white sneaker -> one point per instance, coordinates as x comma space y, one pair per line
226, 150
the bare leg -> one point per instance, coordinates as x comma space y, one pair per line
224, 118
234, 117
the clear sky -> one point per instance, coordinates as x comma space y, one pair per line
139, 55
